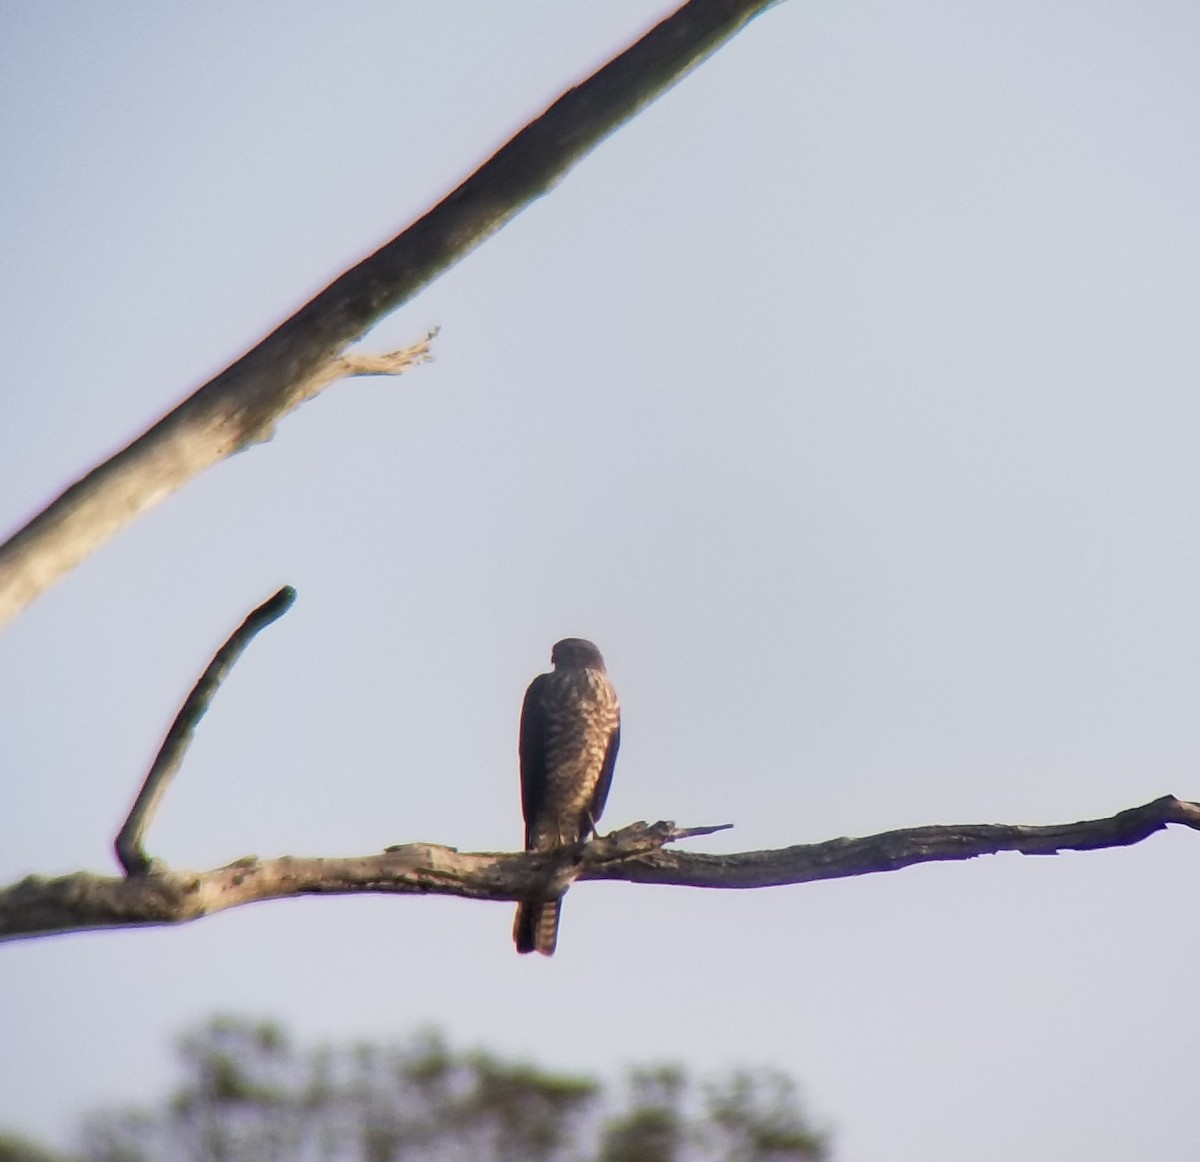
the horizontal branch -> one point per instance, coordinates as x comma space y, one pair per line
84, 901
892, 850
243, 403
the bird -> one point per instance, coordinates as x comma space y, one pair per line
570, 732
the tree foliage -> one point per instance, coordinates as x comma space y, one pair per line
249, 1094
14, 1148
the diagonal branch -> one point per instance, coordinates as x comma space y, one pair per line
242, 404
83, 901
129, 844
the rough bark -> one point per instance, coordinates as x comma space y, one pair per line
84, 901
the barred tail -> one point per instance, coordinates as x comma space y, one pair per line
536, 926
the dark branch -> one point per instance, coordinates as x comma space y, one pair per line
892, 850
84, 901
129, 843
242, 405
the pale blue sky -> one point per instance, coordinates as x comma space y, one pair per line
847, 398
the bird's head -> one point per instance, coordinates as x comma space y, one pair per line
576, 653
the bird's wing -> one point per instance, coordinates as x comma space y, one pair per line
532, 749
606, 773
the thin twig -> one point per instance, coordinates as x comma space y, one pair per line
356, 363
390, 362
129, 842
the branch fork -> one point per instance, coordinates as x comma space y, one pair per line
130, 841
151, 893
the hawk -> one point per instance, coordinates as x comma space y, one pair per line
570, 731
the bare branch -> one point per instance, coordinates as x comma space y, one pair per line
243, 403
891, 850
129, 843
83, 901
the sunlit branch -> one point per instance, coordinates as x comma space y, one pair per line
84, 901
242, 405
